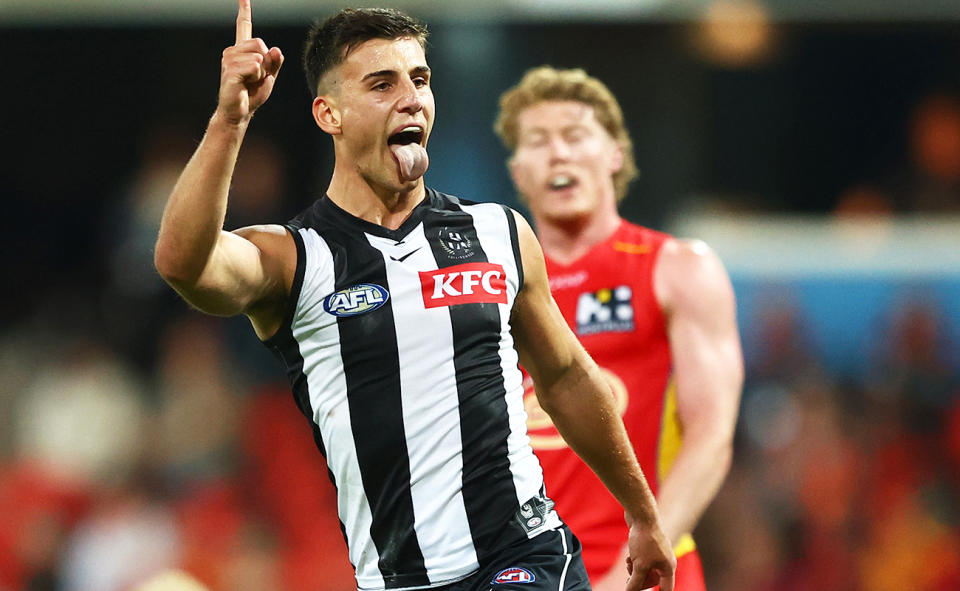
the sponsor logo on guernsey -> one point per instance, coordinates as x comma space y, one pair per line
514, 574
355, 300
469, 283
605, 310
559, 282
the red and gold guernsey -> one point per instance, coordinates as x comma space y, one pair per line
607, 298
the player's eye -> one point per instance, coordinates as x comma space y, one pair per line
533, 140
574, 135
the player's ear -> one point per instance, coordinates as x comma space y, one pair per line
327, 115
516, 174
512, 167
616, 159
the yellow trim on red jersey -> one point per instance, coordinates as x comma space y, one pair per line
684, 545
630, 248
671, 438
671, 433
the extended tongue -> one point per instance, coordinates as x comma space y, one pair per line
412, 159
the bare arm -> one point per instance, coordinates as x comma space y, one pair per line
698, 303
575, 395
697, 299
226, 273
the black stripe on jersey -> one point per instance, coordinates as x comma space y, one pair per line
489, 493
373, 395
285, 346
515, 243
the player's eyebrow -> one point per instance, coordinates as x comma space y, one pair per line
379, 74
419, 70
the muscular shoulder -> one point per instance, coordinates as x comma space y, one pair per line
273, 240
687, 272
266, 233
278, 256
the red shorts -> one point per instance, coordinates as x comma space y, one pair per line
689, 575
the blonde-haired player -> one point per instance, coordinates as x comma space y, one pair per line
655, 312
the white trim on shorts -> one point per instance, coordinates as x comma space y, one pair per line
566, 565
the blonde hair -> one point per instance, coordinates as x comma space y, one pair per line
550, 84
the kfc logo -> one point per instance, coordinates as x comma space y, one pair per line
470, 283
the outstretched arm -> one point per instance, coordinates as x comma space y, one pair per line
221, 272
575, 395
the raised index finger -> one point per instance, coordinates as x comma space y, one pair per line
244, 21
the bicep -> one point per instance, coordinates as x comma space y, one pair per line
245, 267
704, 342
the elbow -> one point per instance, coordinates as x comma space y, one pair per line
723, 453
725, 458
169, 264
715, 444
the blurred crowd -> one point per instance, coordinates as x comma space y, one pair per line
139, 435
842, 482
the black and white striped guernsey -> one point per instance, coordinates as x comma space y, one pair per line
399, 350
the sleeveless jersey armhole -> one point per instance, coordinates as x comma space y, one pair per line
515, 244
293, 297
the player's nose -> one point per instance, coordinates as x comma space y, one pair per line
410, 101
559, 149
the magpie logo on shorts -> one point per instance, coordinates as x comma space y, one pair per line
514, 574
605, 310
355, 300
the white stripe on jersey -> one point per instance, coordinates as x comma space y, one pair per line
431, 423
490, 221
318, 338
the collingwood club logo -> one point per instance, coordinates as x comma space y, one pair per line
359, 299
455, 244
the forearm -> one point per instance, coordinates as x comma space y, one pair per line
693, 481
195, 211
581, 406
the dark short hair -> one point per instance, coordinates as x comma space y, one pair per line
328, 43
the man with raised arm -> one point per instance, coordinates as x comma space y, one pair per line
401, 314
657, 313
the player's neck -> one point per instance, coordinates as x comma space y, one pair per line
384, 207
565, 241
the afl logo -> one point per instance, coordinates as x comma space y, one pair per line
355, 300
513, 575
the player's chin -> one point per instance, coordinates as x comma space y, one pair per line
396, 184
407, 184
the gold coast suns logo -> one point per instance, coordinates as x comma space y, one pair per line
543, 435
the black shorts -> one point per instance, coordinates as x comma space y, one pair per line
549, 562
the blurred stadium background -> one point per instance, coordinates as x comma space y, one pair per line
815, 145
